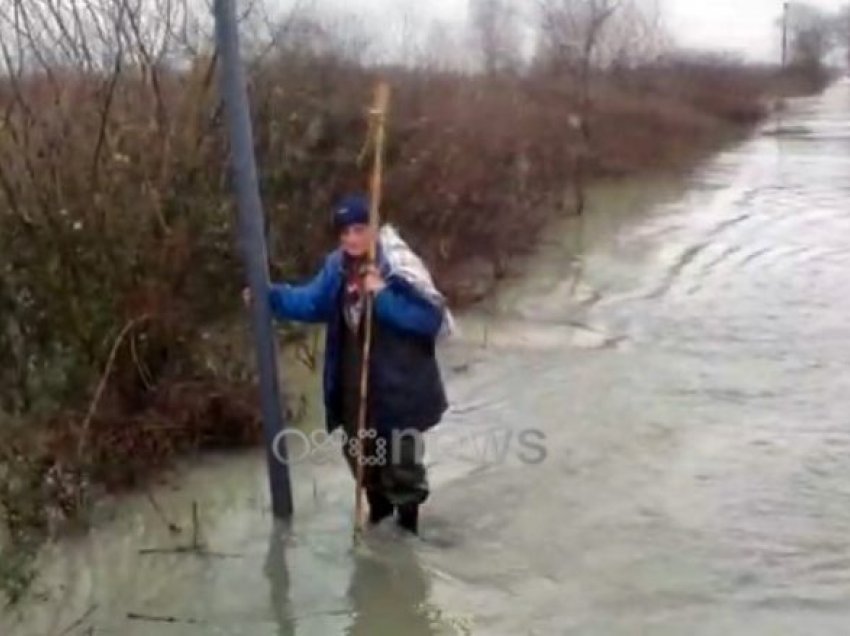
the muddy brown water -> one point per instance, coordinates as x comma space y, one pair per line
651, 439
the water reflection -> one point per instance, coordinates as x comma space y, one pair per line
401, 607
387, 592
277, 573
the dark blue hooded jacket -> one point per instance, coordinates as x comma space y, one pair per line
405, 387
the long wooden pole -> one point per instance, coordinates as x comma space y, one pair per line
378, 120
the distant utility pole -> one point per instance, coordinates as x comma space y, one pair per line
785, 10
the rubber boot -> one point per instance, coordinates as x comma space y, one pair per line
408, 518
379, 507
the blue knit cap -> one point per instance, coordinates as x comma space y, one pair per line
352, 210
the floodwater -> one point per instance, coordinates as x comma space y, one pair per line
651, 439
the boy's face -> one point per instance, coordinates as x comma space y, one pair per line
355, 240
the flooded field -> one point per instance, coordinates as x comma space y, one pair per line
652, 438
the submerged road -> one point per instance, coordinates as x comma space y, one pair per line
653, 439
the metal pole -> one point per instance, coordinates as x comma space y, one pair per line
252, 242
785, 8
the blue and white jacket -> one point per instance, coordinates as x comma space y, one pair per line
405, 387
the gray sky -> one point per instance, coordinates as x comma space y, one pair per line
744, 27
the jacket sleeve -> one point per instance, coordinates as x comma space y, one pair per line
408, 312
311, 302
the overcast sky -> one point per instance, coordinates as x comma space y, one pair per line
747, 27
744, 27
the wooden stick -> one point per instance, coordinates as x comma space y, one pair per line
378, 119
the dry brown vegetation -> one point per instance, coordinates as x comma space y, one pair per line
117, 254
